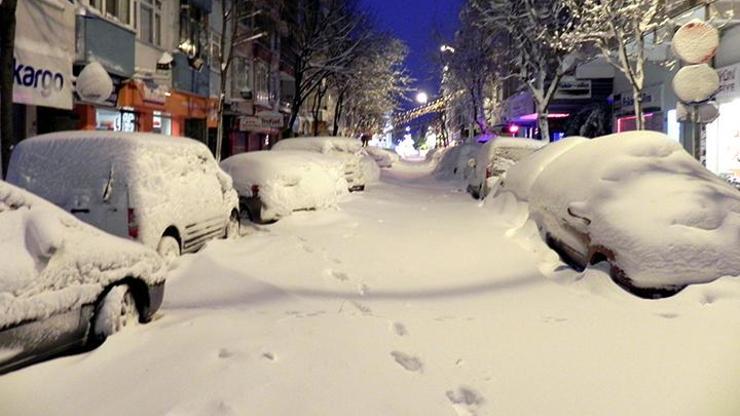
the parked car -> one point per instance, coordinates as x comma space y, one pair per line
167, 193
494, 158
65, 284
349, 151
454, 163
271, 185
638, 201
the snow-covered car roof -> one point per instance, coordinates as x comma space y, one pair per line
320, 144
520, 177
51, 262
667, 219
288, 180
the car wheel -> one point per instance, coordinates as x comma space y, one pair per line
233, 226
566, 255
114, 312
622, 280
168, 248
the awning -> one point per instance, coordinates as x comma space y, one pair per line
44, 51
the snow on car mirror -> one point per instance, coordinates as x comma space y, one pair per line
44, 233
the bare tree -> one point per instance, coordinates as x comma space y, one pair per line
374, 86
622, 30
325, 38
470, 66
7, 43
538, 48
234, 32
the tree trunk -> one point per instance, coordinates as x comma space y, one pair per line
639, 117
338, 113
7, 42
543, 124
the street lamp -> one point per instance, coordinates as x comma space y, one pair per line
422, 97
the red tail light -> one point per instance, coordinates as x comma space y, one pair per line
133, 224
255, 190
488, 172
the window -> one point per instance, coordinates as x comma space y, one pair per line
119, 10
193, 33
149, 25
215, 51
261, 84
240, 80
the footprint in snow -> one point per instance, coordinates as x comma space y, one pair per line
362, 308
225, 353
465, 400
341, 276
269, 356
400, 329
363, 289
408, 362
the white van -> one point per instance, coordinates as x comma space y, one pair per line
348, 151
166, 192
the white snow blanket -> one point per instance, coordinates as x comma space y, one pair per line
288, 181
51, 262
167, 180
370, 169
668, 220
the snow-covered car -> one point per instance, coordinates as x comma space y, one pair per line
65, 284
349, 151
167, 193
383, 157
271, 185
494, 159
455, 162
640, 202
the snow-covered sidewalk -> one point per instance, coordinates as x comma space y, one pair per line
411, 299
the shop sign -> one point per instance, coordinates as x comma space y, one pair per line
729, 85
43, 53
651, 98
271, 119
573, 88
519, 105
247, 123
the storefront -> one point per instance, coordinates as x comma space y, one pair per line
723, 135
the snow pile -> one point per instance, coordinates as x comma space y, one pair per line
520, 178
455, 162
288, 181
370, 169
668, 220
167, 180
383, 157
51, 262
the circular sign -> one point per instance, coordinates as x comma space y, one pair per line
696, 42
696, 83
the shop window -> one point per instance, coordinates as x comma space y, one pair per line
148, 21
162, 124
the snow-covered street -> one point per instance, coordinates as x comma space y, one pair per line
410, 299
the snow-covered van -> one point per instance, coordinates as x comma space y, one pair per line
165, 192
349, 151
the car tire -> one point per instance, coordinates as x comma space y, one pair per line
169, 248
116, 310
233, 226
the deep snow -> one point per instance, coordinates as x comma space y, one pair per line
410, 299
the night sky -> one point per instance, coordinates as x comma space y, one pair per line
415, 22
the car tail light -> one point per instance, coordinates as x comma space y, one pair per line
489, 173
133, 224
255, 190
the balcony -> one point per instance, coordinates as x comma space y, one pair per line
186, 79
111, 44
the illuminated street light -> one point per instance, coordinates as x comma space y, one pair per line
447, 48
422, 97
